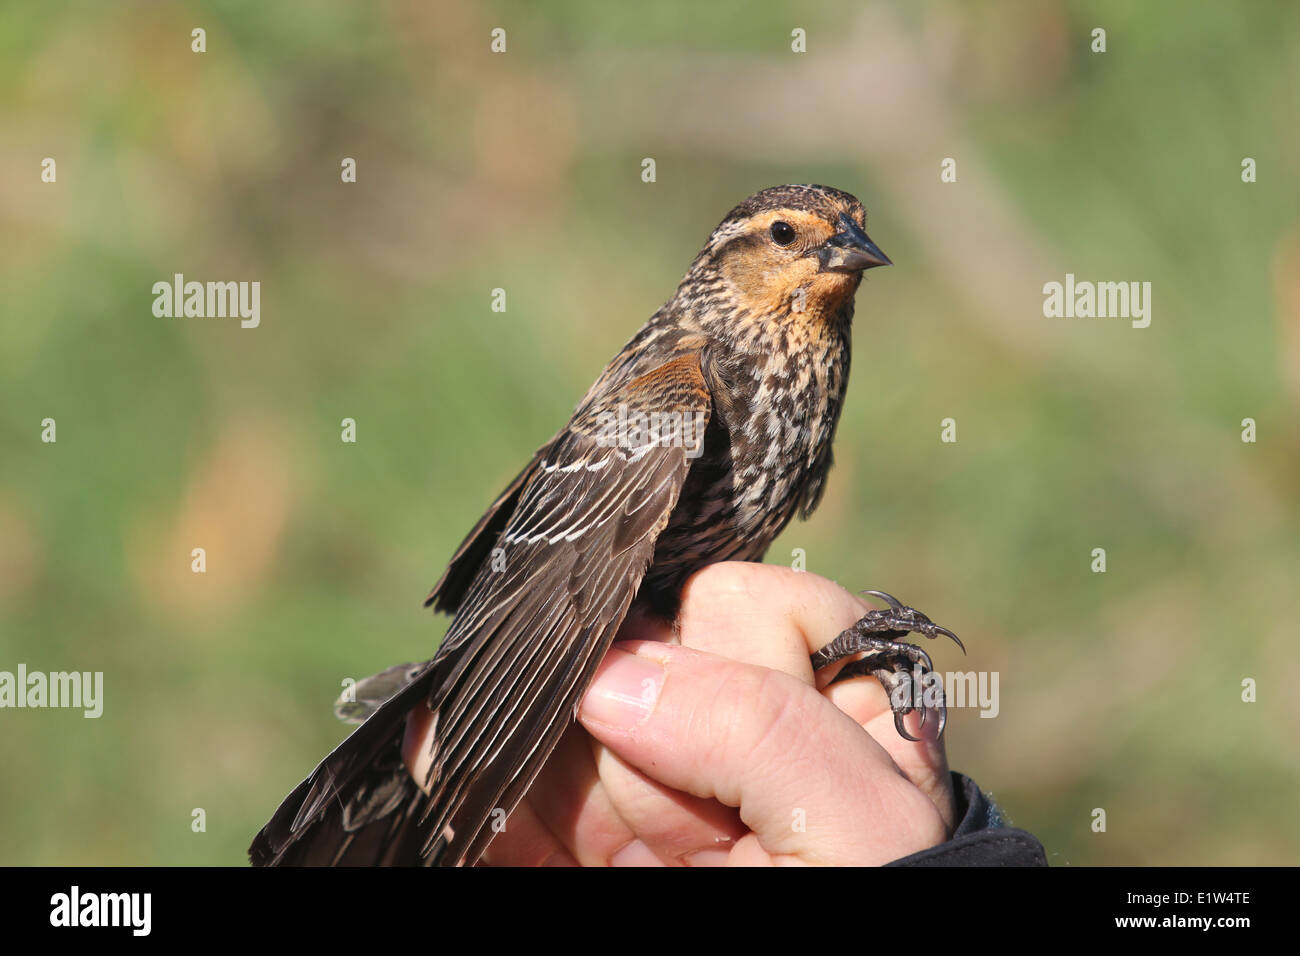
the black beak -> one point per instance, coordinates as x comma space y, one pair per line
850, 250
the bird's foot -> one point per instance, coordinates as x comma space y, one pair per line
904, 670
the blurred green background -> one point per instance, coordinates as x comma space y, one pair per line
1119, 691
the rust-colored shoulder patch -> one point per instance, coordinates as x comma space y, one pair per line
676, 383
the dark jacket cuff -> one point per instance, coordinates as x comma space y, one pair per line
981, 837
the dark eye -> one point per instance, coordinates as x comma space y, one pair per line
782, 233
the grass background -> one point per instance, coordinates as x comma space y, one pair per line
1119, 691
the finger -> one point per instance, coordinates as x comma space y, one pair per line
924, 762
775, 617
628, 818
807, 781
680, 829
570, 798
608, 813
765, 614
526, 841
417, 745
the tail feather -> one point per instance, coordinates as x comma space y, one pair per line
359, 807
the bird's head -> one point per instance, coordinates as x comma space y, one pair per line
789, 250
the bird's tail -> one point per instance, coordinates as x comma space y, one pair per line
360, 806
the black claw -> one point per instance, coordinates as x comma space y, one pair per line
892, 661
902, 731
889, 599
947, 633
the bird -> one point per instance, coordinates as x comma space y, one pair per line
698, 443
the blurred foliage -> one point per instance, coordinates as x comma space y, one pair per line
1119, 690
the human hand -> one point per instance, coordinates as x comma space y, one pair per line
727, 749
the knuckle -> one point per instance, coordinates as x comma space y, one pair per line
746, 579
725, 579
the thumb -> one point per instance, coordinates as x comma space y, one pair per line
808, 781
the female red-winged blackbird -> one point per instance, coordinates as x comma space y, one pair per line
698, 443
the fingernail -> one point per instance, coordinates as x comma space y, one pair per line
560, 858
625, 690
710, 857
635, 853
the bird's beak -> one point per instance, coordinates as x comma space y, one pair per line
850, 250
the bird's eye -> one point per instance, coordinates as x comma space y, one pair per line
782, 233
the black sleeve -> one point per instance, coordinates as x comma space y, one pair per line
981, 837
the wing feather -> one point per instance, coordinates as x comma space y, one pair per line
578, 528
528, 638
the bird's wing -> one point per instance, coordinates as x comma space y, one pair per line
477, 546
534, 624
